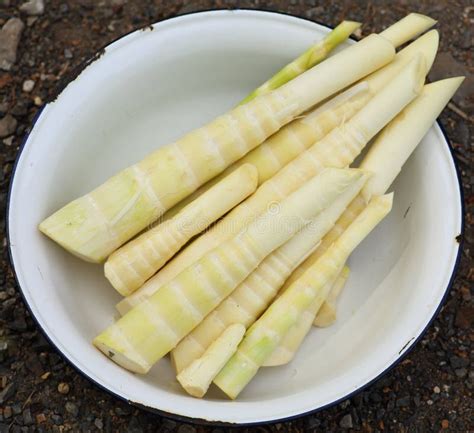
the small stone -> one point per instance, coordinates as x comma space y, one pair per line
31, 20
345, 404
16, 409
346, 422
72, 408
7, 412
38, 101
63, 8
460, 372
10, 35
313, 422
186, 428
33, 7
436, 389
27, 418
40, 418
458, 362
98, 423
63, 388
429, 402
167, 423
28, 86
7, 126
68, 53
126, 411
444, 424
465, 317
21, 107
57, 419
403, 402
314, 12
8, 391
375, 397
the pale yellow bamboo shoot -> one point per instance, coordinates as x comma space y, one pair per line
154, 327
134, 263
197, 377
264, 336
337, 149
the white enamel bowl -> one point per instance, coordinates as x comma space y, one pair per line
149, 88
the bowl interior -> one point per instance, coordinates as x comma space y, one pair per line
147, 90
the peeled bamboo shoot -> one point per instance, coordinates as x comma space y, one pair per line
134, 263
253, 295
325, 312
288, 345
336, 149
284, 146
151, 329
407, 28
197, 377
95, 225
268, 331
291, 140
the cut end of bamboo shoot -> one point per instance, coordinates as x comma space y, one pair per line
407, 28
426, 45
130, 362
197, 377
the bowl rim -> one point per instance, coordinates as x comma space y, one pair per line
200, 421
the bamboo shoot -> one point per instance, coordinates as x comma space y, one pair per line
95, 225
151, 329
407, 28
337, 149
197, 377
267, 332
252, 296
134, 263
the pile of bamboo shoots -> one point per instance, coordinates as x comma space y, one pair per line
258, 211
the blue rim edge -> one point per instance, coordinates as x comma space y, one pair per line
200, 421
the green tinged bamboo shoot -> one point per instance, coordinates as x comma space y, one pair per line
197, 377
154, 327
267, 332
407, 28
138, 260
311, 57
337, 149
252, 296
327, 314
286, 144
95, 225
291, 341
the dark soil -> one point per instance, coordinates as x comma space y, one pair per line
429, 391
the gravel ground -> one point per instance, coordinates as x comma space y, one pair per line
430, 391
